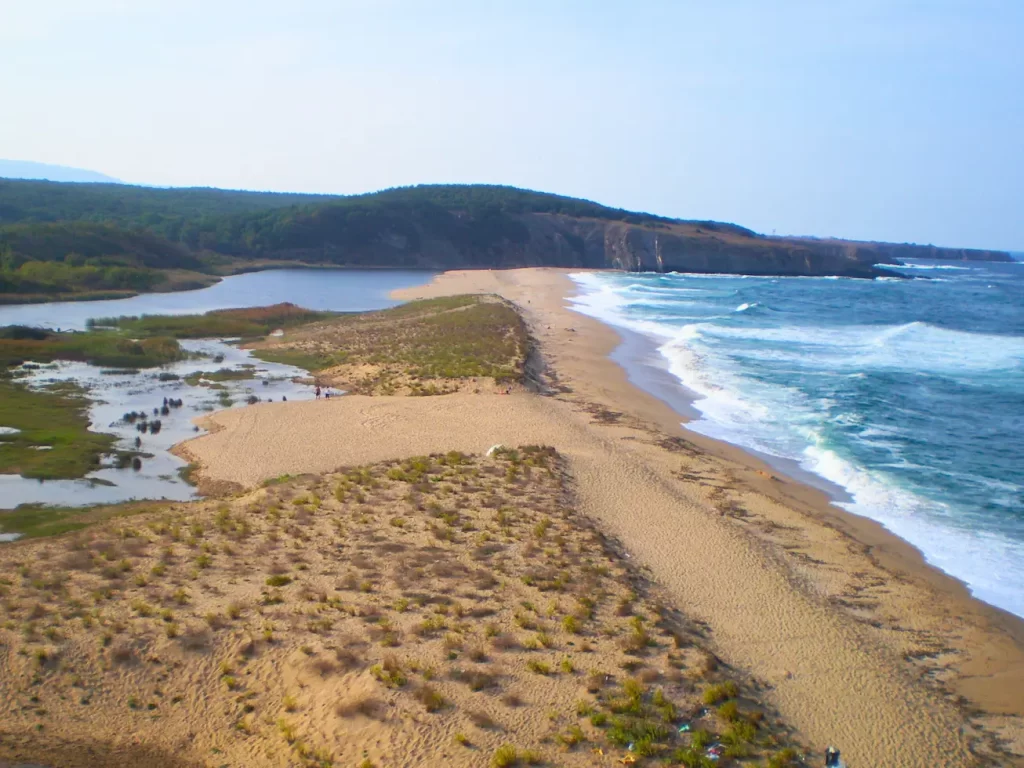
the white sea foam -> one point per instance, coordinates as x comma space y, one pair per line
910, 265
782, 422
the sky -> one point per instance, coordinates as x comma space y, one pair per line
871, 119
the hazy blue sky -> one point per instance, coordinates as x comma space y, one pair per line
884, 119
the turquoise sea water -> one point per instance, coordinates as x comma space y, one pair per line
908, 394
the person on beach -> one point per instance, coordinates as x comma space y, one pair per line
317, 391
832, 757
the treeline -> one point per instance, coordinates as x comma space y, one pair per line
353, 225
257, 223
64, 238
150, 208
179, 214
77, 256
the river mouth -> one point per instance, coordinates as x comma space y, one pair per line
237, 379
113, 394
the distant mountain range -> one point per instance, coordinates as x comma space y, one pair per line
24, 169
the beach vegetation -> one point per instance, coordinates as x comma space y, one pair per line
572, 736
719, 692
414, 348
729, 711
237, 626
784, 758
245, 323
430, 697
505, 756
539, 667
41, 520
106, 349
53, 440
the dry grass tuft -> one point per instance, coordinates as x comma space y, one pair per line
363, 705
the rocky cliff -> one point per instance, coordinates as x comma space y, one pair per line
430, 226
537, 239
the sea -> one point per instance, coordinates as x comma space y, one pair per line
902, 396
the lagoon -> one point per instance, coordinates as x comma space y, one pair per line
114, 393
341, 290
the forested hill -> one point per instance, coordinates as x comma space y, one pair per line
58, 238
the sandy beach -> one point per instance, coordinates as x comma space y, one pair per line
851, 636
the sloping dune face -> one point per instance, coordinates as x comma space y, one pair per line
440, 610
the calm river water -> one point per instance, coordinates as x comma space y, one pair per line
341, 290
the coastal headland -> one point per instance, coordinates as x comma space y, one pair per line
62, 242
376, 581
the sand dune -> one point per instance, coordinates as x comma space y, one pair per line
828, 678
855, 641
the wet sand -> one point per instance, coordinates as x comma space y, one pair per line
854, 638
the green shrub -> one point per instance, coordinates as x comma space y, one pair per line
700, 740
572, 625
720, 692
729, 711
692, 758
430, 698
538, 667
504, 756
740, 732
783, 759
624, 731
571, 737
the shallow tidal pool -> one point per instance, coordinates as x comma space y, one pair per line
239, 379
